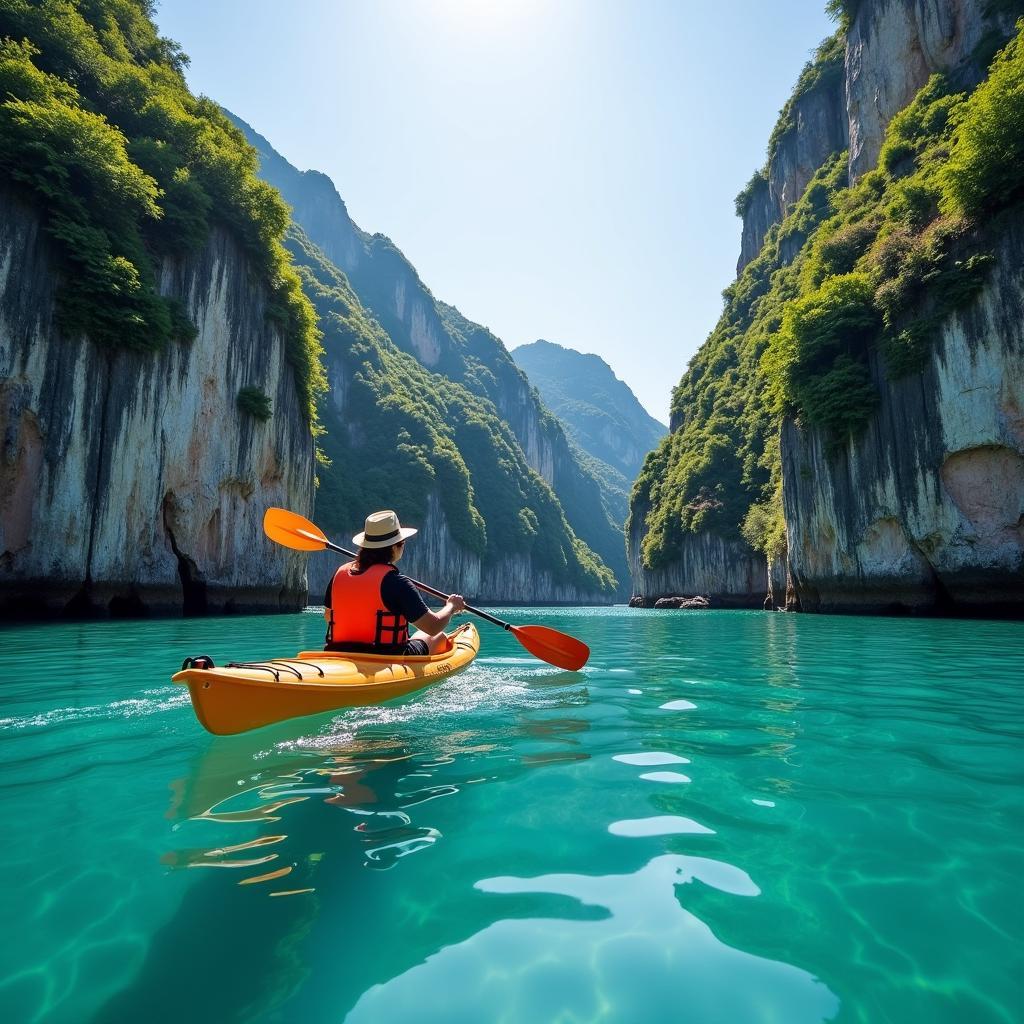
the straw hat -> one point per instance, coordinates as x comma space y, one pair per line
381, 530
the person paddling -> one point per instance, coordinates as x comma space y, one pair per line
369, 603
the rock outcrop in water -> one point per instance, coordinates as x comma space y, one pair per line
131, 481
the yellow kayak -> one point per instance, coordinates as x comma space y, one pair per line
248, 695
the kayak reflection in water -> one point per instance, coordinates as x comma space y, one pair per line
369, 603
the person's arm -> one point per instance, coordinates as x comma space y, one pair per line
437, 622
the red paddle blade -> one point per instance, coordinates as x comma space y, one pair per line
555, 648
293, 531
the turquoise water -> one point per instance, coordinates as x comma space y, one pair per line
726, 817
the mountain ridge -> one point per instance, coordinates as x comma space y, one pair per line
603, 414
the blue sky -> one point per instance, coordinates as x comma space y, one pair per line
560, 169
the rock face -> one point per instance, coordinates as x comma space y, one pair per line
819, 131
729, 573
926, 510
131, 481
758, 215
892, 48
781, 596
818, 128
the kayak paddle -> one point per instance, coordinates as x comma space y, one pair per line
294, 531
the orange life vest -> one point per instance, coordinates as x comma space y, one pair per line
358, 615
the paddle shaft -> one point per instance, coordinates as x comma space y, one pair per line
431, 590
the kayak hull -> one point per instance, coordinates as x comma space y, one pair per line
245, 696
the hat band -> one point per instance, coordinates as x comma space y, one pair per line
382, 536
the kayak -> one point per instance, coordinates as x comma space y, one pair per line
247, 695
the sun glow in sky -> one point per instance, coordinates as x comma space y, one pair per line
559, 169
486, 15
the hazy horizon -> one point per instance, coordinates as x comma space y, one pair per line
560, 171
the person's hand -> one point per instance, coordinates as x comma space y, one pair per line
458, 603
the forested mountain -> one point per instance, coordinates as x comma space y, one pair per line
853, 422
601, 414
399, 436
457, 357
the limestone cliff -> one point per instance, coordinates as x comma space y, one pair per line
894, 46
897, 477
925, 511
811, 127
758, 213
131, 481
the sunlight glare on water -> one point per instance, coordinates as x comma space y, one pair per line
727, 817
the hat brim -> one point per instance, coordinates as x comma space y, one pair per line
362, 541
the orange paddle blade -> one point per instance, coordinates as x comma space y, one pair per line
553, 647
293, 530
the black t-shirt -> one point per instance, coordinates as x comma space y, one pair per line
398, 595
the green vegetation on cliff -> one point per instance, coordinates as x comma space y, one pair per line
256, 402
843, 11
722, 453
396, 433
99, 131
852, 277
758, 180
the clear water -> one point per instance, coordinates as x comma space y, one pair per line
727, 817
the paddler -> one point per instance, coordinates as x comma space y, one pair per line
369, 603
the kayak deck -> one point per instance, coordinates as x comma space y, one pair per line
248, 695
